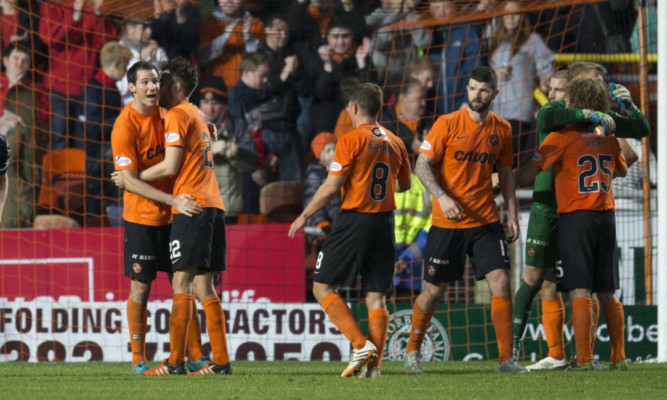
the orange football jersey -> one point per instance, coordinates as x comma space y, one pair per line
584, 164
372, 158
137, 142
186, 127
465, 153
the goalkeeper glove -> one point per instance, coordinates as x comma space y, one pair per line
621, 94
600, 118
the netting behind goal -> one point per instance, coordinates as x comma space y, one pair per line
62, 289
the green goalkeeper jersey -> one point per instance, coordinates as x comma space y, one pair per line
555, 116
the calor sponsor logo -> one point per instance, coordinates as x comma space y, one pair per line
425, 145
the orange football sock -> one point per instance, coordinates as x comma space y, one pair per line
341, 316
553, 316
378, 322
596, 318
181, 314
501, 316
615, 316
136, 321
582, 322
194, 333
215, 323
420, 321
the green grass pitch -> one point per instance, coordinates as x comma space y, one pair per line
320, 380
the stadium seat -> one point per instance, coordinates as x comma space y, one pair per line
281, 202
63, 182
54, 221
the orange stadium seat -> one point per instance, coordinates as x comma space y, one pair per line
63, 181
54, 221
281, 202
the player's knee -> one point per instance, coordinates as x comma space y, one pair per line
434, 292
548, 291
606, 297
534, 276
139, 291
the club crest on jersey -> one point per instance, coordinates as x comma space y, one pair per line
494, 139
123, 161
536, 157
334, 166
171, 137
425, 145
136, 267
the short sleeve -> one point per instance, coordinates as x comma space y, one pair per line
404, 173
343, 156
123, 144
176, 127
435, 142
550, 151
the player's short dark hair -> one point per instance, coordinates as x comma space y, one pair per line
368, 96
181, 70
251, 61
587, 93
485, 75
577, 68
136, 67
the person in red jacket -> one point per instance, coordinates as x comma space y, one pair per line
74, 35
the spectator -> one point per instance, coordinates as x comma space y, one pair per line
19, 20
244, 103
392, 48
520, 59
651, 30
176, 30
412, 222
309, 21
74, 35
323, 146
338, 59
99, 106
403, 119
456, 49
424, 70
234, 151
226, 36
18, 71
136, 37
279, 107
17, 124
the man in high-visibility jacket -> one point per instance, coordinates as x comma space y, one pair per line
412, 221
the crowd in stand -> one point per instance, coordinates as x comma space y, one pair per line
273, 76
